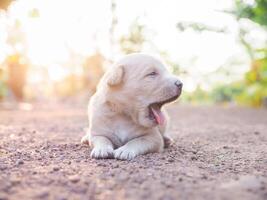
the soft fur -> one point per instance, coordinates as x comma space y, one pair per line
120, 123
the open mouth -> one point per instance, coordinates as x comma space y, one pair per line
155, 112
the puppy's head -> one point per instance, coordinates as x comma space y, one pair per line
140, 85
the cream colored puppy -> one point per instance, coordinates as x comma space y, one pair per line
126, 118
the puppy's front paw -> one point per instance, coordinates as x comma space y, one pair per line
124, 153
103, 152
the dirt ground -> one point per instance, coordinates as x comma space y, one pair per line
219, 153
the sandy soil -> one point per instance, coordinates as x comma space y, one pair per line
219, 153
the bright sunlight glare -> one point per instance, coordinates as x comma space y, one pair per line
54, 31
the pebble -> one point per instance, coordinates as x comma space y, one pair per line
56, 168
115, 166
193, 158
19, 162
101, 165
204, 177
15, 180
3, 167
256, 132
170, 160
74, 178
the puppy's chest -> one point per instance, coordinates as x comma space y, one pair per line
126, 130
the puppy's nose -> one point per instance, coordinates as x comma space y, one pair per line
179, 84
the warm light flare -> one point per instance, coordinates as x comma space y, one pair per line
54, 34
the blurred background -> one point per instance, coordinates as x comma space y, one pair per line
57, 50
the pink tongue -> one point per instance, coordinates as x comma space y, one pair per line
158, 115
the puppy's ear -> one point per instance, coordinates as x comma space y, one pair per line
115, 76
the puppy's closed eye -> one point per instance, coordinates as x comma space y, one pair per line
152, 74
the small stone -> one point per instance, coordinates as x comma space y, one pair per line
180, 179
3, 167
170, 160
15, 180
168, 185
204, 177
74, 178
19, 162
193, 158
256, 132
101, 165
56, 168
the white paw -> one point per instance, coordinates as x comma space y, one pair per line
102, 152
124, 153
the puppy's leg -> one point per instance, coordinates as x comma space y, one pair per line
164, 128
141, 145
102, 147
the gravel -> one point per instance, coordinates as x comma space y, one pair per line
218, 153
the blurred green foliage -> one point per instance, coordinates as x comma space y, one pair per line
255, 91
252, 89
257, 12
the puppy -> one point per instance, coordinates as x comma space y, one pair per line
126, 115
